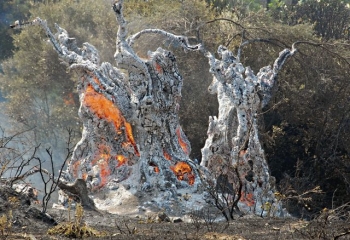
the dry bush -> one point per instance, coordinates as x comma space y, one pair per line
330, 224
20, 160
124, 226
299, 197
76, 228
16, 157
224, 187
6, 224
206, 218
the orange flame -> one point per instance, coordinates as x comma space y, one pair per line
105, 108
183, 171
130, 137
182, 142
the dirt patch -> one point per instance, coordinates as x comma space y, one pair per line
19, 215
27, 222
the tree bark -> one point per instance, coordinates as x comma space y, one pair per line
131, 131
233, 138
130, 121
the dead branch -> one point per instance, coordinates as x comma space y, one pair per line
78, 190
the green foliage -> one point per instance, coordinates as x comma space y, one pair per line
276, 4
10, 10
39, 89
331, 18
313, 147
242, 8
306, 124
41, 94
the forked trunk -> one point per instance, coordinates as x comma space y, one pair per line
132, 138
233, 149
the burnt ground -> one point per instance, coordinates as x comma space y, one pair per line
27, 222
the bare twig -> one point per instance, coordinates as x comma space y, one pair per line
52, 182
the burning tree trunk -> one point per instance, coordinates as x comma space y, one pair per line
232, 150
131, 129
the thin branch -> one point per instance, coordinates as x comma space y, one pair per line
222, 19
264, 40
321, 45
182, 40
43, 24
5, 140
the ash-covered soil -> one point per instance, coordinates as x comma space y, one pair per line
27, 222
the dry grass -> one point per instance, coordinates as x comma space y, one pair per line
76, 228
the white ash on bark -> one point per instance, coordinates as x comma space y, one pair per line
130, 121
233, 138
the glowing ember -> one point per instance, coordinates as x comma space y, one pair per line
121, 160
104, 108
182, 142
104, 152
130, 137
105, 172
102, 161
69, 100
158, 68
85, 175
242, 153
166, 155
155, 167
75, 167
183, 171
248, 199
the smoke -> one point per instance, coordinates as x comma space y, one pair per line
5, 18
17, 148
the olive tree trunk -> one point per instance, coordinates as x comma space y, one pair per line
131, 131
130, 119
232, 150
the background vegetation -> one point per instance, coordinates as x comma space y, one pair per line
305, 130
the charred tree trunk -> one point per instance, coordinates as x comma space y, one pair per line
233, 139
131, 131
